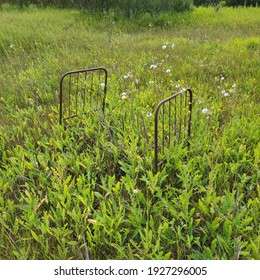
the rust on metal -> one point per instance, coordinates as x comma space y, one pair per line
82, 91
172, 122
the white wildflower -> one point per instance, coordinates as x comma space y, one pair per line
205, 111
225, 94
222, 78
164, 47
178, 86
124, 95
153, 66
173, 45
11, 46
168, 70
102, 85
149, 114
135, 191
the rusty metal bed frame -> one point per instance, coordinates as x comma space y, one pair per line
84, 91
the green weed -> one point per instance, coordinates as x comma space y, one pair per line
87, 192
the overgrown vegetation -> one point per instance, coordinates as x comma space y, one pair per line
128, 8
77, 193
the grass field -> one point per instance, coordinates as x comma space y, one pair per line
79, 193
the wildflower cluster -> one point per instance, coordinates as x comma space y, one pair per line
157, 64
124, 95
226, 93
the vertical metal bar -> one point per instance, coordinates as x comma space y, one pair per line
69, 94
170, 126
77, 92
175, 118
163, 128
84, 91
190, 112
186, 110
61, 100
99, 97
156, 138
105, 91
91, 88
180, 118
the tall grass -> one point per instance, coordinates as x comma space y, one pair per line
77, 193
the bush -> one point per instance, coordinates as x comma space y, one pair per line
230, 3
128, 7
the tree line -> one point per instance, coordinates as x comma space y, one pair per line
128, 7
133, 6
230, 3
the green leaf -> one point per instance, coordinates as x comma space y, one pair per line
35, 236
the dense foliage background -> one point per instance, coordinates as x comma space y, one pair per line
129, 7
